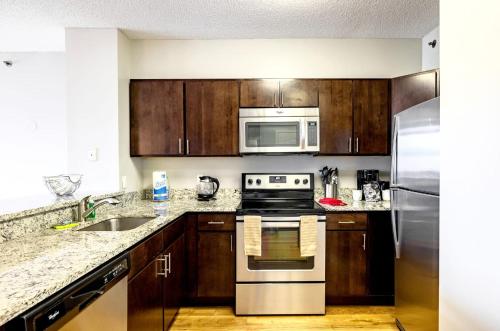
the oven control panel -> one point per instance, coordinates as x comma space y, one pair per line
278, 181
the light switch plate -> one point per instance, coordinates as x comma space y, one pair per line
92, 154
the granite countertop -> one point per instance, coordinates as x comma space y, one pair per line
35, 267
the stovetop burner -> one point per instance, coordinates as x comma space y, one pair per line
284, 194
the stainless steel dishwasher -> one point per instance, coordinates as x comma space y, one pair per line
97, 301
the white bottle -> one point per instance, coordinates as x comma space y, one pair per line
160, 186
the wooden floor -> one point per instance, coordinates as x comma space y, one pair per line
337, 318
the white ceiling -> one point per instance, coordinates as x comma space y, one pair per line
227, 19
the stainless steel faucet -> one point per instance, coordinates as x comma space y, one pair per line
83, 212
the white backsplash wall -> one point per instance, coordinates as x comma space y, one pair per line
182, 171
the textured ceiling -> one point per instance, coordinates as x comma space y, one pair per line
229, 19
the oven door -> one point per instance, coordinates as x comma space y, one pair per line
280, 260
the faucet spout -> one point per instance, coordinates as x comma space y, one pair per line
83, 212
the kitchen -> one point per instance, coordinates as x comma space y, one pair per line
221, 103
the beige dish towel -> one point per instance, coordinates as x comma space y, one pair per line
308, 235
252, 235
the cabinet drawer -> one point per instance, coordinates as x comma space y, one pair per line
173, 231
346, 221
141, 255
216, 222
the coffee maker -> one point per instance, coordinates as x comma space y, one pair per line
367, 176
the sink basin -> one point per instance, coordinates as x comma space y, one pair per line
118, 224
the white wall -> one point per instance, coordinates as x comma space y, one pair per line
430, 56
182, 172
97, 79
92, 90
130, 168
33, 122
470, 117
275, 58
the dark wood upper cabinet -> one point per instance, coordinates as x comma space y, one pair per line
156, 118
410, 90
371, 116
212, 118
173, 283
299, 93
335, 106
345, 264
259, 93
216, 264
145, 306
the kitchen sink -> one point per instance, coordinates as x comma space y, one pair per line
118, 224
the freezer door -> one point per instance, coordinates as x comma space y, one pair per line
416, 224
415, 148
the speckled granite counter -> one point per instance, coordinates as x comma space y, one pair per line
359, 206
35, 267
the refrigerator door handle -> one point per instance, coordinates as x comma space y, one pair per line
394, 161
395, 228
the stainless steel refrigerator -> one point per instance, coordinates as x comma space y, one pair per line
415, 215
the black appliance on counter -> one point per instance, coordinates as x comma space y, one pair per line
367, 176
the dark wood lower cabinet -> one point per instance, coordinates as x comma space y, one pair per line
359, 259
145, 301
216, 265
173, 283
346, 264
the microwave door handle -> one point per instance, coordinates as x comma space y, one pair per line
303, 135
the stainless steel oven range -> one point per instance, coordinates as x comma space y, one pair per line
280, 281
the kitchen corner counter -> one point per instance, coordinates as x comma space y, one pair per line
358, 206
35, 267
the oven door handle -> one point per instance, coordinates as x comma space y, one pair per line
280, 224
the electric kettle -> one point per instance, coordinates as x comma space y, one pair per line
207, 187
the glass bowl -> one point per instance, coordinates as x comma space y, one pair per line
63, 185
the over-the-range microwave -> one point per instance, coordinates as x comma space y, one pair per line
279, 130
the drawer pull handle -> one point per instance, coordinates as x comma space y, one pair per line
162, 267
217, 223
347, 222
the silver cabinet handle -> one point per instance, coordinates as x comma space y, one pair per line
216, 222
187, 146
357, 145
350, 144
364, 241
180, 146
169, 265
162, 266
347, 222
231, 242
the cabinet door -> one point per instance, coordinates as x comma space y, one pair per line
371, 116
345, 263
408, 91
173, 285
156, 117
216, 264
335, 106
145, 307
255, 93
299, 93
212, 118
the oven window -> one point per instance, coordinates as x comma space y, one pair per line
280, 251
272, 134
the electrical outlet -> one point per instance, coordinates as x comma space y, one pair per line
92, 154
